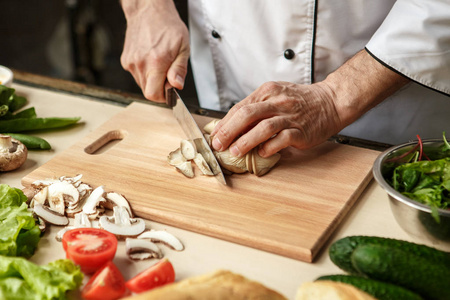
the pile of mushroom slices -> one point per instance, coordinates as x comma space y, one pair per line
182, 157
55, 201
252, 162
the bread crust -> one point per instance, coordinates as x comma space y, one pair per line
330, 290
219, 285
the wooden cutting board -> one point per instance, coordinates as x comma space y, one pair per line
291, 211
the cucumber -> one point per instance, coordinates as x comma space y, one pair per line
340, 251
429, 279
378, 289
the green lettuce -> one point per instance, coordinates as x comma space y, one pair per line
22, 279
19, 234
427, 182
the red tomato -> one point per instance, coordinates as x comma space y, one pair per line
157, 275
90, 248
106, 284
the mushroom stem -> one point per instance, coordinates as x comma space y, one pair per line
5, 143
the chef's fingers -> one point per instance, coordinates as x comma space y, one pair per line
230, 114
244, 119
261, 94
265, 130
177, 72
153, 85
285, 138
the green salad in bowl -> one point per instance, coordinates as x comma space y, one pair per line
416, 177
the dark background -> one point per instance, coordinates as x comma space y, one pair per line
68, 39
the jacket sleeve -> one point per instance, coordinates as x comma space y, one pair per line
414, 40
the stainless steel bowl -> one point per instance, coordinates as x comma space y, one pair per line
413, 217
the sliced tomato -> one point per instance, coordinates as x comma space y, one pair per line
159, 274
90, 248
106, 284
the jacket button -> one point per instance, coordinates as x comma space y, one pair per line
215, 34
289, 54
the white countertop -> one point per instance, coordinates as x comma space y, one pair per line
371, 215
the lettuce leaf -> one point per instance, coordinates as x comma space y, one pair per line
22, 279
19, 234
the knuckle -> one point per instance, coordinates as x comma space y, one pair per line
246, 111
270, 86
224, 134
287, 137
268, 126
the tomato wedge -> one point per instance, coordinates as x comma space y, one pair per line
106, 284
90, 248
159, 274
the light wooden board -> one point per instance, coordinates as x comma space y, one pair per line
291, 211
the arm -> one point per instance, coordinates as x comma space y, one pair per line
156, 46
281, 114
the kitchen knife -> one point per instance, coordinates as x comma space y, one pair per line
192, 131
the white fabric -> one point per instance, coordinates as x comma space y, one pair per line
255, 33
414, 39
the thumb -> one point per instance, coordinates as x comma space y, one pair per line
177, 71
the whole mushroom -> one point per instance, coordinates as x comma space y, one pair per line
252, 162
13, 153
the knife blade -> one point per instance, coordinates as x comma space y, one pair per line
193, 132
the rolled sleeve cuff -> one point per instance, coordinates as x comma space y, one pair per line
414, 40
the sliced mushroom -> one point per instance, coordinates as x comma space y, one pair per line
90, 206
177, 160
39, 221
76, 180
188, 149
40, 197
80, 220
39, 184
186, 169
84, 189
139, 249
49, 215
162, 236
116, 199
201, 163
121, 224
73, 211
176, 157
13, 153
60, 194
59, 235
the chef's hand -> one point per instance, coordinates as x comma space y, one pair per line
278, 115
281, 114
156, 46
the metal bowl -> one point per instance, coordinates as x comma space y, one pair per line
413, 217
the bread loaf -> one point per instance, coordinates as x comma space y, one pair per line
330, 290
220, 285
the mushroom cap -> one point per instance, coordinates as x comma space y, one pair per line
13, 157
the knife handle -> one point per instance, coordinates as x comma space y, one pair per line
170, 97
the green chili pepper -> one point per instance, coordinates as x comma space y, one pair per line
29, 124
24, 114
31, 142
16, 102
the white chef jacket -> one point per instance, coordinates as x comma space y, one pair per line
237, 45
